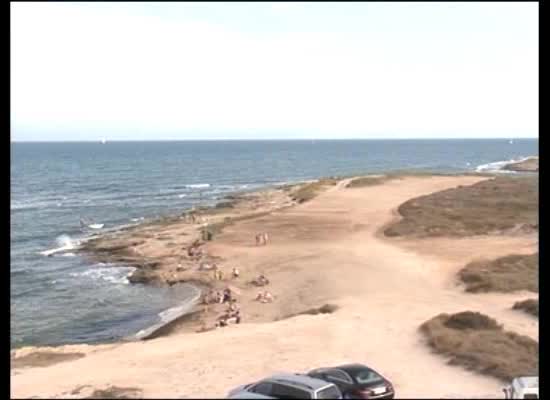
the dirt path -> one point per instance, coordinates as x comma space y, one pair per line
326, 250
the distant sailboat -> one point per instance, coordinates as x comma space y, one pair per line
511, 141
103, 141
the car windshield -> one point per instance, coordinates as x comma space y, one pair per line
330, 392
366, 376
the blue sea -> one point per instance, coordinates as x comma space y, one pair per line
68, 299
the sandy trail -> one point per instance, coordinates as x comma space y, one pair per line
326, 250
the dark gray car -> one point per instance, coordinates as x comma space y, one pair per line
287, 386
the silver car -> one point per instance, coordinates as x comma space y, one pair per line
287, 386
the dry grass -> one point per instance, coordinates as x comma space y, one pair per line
308, 191
478, 343
505, 274
114, 392
369, 181
491, 206
530, 306
324, 309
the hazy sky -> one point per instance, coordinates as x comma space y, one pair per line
136, 71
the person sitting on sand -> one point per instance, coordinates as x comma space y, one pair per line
235, 273
267, 297
226, 295
260, 296
204, 267
233, 307
219, 297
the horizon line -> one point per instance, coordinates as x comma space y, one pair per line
270, 139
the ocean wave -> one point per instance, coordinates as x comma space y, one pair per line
198, 186
116, 275
65, 243
497, 166
24, 205
181, 196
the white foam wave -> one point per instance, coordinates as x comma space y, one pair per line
116, 275
65, 243
68, 255
137, 219
66, 240
23, 205
498, 165
198, 185
181, 196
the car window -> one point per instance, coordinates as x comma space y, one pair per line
341, 376
330, 392
367, 376
288, 392
262, 388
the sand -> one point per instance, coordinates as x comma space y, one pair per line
327, 250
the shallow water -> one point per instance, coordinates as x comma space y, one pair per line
67, 299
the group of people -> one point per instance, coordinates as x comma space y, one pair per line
231, 315
218, 297
262, 239
218, 273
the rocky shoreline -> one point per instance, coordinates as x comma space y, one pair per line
530, 164
160, 250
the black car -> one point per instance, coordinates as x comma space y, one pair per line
356, 381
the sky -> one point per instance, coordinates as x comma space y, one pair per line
176, 71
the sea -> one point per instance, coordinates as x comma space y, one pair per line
66, 299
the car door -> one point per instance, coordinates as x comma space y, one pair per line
339, 378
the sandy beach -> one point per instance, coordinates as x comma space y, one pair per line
328, 250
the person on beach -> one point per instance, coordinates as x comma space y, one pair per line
233, 307
235, 273
257, 239
265, 238
226, 295
262, 280
267, 297
260, 296
219, 297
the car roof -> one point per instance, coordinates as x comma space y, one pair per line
528, 381
346, 367
300, 380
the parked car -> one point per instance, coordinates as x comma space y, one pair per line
524, 387
287, 386
356, 381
